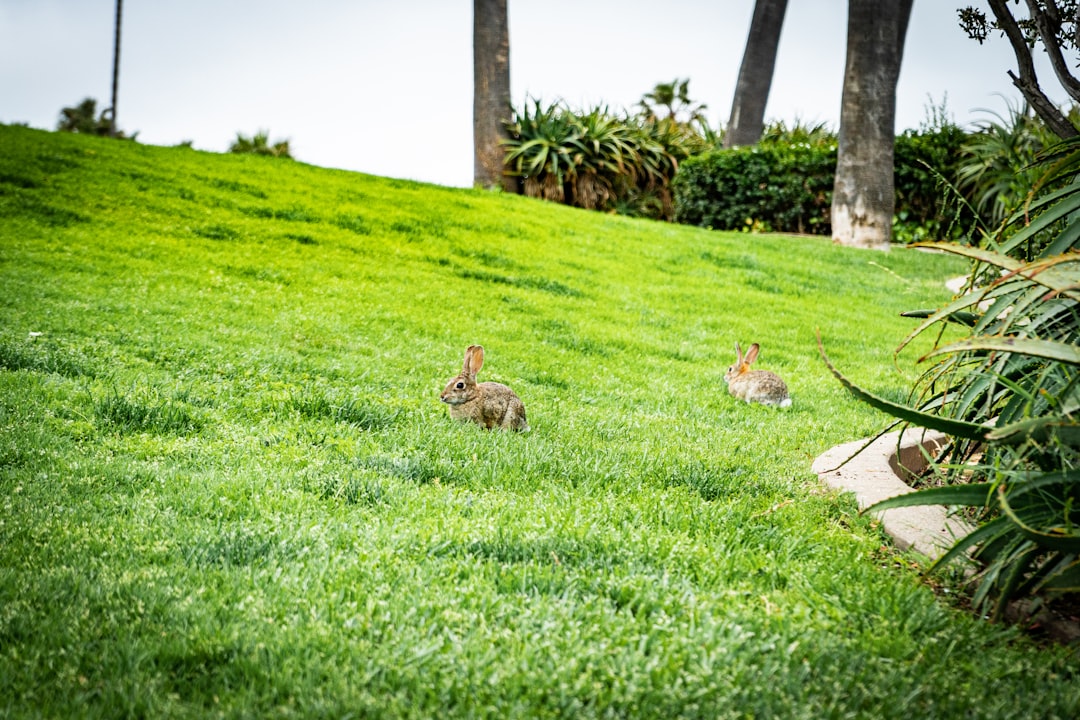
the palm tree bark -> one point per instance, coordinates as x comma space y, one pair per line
116, 68
747, 120
864, 197
491, 92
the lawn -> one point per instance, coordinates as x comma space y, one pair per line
229, 487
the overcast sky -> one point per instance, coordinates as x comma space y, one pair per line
385, 87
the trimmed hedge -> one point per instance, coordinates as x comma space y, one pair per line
925, 209
788, 187
782, 188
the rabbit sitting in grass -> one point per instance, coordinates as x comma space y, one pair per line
490, 404
760, 386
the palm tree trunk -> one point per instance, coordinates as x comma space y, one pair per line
116, 68
755, 74
491, 92
864, 197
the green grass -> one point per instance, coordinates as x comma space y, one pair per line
228, 486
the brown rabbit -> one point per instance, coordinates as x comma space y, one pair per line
490, 404
760, 386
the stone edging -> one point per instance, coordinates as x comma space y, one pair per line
876, 474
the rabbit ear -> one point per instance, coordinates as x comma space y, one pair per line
751, 354
738, 354
474, 360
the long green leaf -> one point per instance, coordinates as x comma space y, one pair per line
1054, 274
1051, 320
1065, 542
1049, 568
1018, 567
1034, 315
1039, 429
957, 306
988, 257
1045, 219
971, 495
1043, 271
1047, 349
967, 319
1000, 299
956, 428
1026, 481
987, 532
1065, 580
1065, 241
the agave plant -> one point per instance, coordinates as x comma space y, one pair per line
663, 145
541, 149
610, 153
259, 144
600, 160
84, 118
1004, 385
998, 168
665, 139
800, 133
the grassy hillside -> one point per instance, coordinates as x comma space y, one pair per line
229, 487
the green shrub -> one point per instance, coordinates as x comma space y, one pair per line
926, 163
1007, 393
597, 159
778, 132
785, 184
998, 168
84, 118
771, 187
259, 144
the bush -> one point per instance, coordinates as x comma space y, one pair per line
770, 187
1007, 393
84, 118
1001, 162
785, 184
925, 163
597, 159
259, 144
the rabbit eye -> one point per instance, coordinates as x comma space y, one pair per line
460, 385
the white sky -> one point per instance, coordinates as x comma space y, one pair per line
385, 87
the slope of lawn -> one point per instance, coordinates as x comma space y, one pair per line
229, 488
